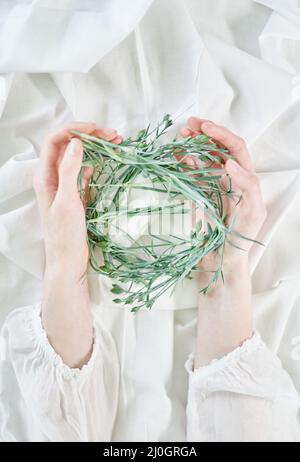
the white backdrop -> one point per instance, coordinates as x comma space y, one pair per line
124, 64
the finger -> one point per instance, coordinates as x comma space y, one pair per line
117, 140
195, 124
86, 178
185, 132
232, 142
63, 135
252, 200
69, 168
189, 161
107, 134
193, 127
44, 194
51, 150
46, 180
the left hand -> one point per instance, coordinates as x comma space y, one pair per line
225, 314
250, 211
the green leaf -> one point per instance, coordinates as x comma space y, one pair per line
152, 268
117, 290
135, 309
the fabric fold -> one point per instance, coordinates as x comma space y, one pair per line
100, 26
59, 403
245, 396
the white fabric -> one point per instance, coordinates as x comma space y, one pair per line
245, 396
53, 402
237, 64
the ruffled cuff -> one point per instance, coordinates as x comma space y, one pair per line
249, 369
33, 324
249, 347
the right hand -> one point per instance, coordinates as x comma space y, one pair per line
61, 208
66, 308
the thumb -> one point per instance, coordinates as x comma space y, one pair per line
70, 167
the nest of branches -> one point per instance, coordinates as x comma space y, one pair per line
143, 263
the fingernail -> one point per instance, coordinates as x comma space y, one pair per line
73, 147
117, 140
186, 131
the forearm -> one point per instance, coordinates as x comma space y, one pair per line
225, 314
66, 310
67, 318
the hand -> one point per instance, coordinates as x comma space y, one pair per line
225, 315
249, 212
61, 208
66, 313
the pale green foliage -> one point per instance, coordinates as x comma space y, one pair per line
143, 271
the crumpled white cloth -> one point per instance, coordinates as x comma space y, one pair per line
237, 65
245, 396
101, 25
53, 402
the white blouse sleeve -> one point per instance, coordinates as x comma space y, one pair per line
244, 397
65, 404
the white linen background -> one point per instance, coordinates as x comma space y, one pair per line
124, 64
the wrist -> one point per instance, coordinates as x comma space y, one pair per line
234, 268
225, 317
67, 286
64, 273
67, 316
235, 264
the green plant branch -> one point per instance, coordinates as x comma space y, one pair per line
143, 271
